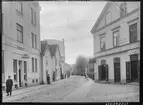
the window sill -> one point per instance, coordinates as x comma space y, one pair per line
19, 41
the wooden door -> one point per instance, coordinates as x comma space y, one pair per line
106, 72
128, 71
99, 72
134, 67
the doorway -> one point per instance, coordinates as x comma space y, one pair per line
134, 67
117, 69
20, 64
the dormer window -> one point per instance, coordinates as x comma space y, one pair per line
108, 18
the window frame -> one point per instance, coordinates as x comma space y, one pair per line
118, 36
108, 17
34, 40
102, 49
33, 16
18, 26
19, 7
33, 64
130, 39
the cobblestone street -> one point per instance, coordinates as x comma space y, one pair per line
76, 89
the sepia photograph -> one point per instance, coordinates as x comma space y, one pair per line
70, 51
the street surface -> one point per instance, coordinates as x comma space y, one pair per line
75, 89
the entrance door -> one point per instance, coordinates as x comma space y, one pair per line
117, 69
103, 72
20, 62
134, 67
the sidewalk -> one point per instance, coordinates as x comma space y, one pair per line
27, 89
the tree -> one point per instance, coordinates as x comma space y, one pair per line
81, 65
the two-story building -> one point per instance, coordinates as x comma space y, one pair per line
21, 42
56, 62
116, 35
46, 62
61, 45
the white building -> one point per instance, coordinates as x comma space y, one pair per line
21, 42
116, 35
46, 62
61, 47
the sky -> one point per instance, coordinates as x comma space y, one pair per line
71, 21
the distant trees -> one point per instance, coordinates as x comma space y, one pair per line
81, 65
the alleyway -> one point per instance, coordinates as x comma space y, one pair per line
76, 89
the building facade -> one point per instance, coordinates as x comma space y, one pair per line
46, 62
56, 62
61, 45
21, 43
116, 35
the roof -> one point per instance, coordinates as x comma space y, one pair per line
53, 49
100, 17
59, 43
44, 45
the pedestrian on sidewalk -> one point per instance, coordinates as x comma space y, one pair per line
48, 79
9, 84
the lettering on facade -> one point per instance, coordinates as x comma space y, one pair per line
25, 56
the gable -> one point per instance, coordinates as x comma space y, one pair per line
101, 21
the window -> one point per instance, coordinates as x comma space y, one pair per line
33, 80
108, 18
19, 33
116, 38
123, 9
15, 69
133, 32
25, 67
2, 61
34, 40
19, 7
35, 65
36, 80
33, 16
102, 43
32, 64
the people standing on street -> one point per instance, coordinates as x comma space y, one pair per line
48, 79
9, 84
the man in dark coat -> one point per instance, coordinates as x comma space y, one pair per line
9, 84
48, 79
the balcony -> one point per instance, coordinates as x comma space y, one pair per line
119, 49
